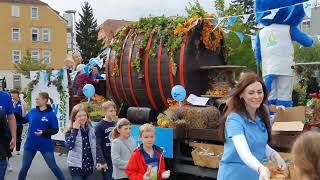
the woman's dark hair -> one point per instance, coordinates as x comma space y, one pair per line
237, 104
14, 91
46, 96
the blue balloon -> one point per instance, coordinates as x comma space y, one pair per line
88, 90
178, 93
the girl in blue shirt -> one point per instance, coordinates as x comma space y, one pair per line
43, 123
246, 130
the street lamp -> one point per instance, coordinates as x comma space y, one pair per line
73, 12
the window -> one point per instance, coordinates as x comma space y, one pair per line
305, 26
34, 13
15, 35
46, 35
17, 82
15, 11
35, 55
47, 56
16, 56
35, 34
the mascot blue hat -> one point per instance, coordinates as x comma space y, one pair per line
296, 18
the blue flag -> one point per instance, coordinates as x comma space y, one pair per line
240, 36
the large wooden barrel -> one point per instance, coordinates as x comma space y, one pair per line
153, 86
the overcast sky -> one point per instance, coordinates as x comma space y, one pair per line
128, 9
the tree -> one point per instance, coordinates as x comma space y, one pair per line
28, 64
239, 53
87, 34
311, 54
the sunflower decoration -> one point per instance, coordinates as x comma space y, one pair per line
210, 36
186, 26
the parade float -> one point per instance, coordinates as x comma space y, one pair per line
149, 58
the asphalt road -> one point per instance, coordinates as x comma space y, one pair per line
39, 169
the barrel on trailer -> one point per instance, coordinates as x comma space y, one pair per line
151, 87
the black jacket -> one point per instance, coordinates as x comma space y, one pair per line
5, 136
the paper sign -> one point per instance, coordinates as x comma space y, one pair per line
197, 101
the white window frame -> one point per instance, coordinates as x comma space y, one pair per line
15, 11
35, 58
34, 18
14, 56
44, 55
304, 27
38, 38
15, 82
48, 34
19, 34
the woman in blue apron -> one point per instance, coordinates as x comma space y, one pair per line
246, 130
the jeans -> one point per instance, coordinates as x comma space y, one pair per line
48, 157
19, 138
3, 168
107, 174
80, 177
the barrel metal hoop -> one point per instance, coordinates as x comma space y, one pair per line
182, 60
120, 71
114, 77
108, 76
129, 72
146, 71
163, 97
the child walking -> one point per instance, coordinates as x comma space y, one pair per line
103, 132
306, 156
81, 143
43, 123
122, 147
147, 161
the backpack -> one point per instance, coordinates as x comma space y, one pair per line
5, 136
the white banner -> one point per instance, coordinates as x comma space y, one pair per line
57, 106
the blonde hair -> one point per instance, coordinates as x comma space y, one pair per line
306, 156
109, 104
122, 122
74, 112
146, 128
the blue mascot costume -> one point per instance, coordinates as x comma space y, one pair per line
274, 47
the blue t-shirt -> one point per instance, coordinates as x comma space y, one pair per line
42, 120
6, 103
153, 162
231, 166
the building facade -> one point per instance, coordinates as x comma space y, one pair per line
30, 25
108, 28
311, 25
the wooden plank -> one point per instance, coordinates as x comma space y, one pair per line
195, 170
232, 68
283, 141
214, 147
204, 134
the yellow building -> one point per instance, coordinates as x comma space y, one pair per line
33, 25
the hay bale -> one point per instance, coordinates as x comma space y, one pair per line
201, 117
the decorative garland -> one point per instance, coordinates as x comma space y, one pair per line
62, 92
170, 31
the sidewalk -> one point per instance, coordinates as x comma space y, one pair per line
39, 169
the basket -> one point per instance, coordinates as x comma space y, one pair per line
207, 155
